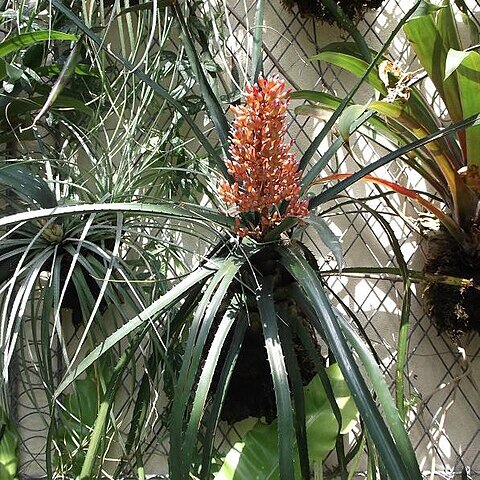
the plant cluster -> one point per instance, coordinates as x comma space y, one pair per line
179, 251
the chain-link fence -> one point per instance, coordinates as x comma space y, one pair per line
442, 379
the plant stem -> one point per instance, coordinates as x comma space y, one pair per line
102, 417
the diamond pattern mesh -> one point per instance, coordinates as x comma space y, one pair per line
442, 381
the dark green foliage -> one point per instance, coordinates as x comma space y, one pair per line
251, 392
316, 9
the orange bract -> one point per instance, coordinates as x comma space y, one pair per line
264, 172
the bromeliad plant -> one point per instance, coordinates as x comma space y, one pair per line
450, 164
252, 345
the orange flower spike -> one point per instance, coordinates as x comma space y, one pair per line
264, 172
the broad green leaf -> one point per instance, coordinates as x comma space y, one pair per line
34, 56
315, 111
23, 40
345, 55
13, 72
327, 103
425, 8
432, 36
256, 455
468, 76
8, 450
27, 185
83, 401
347, 119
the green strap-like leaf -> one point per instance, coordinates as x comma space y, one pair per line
257, 49
205, 380
222, 387
329, 239
182, 446
309, 282
268, 319
392, 415
22, 40
332, 192
295, 376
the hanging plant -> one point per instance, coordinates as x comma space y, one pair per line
450, 165
265, 190
318, 9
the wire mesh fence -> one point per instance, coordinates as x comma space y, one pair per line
442, 379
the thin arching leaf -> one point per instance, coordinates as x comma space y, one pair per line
214, 108
157, 308
63, 78
158, 89
168, 210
